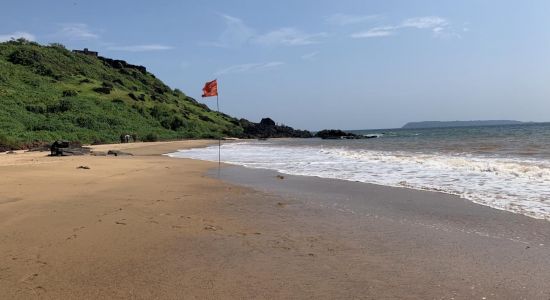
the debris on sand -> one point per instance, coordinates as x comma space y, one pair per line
118, 153
280, 177
83, 167
98, 153
211, 227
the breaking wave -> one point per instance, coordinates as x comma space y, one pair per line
516, 185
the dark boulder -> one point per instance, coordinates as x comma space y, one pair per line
335, 134
267, 122
267, 128
103, 90
66, 148
118, 81
131, 95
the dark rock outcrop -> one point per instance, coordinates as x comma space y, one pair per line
267, 122
66, 148
103, 90
121, 64
336, 134
267, 128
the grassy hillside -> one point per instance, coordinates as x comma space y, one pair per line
49, 92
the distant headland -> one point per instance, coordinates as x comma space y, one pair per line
436, 124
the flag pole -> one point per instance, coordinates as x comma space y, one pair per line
219, 141
210, 89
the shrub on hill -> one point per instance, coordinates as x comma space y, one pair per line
49, 92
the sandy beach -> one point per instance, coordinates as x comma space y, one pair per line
149, 226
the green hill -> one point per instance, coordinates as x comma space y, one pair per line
49, 92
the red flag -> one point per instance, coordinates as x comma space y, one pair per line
210, 89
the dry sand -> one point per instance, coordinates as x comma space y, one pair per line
149, 226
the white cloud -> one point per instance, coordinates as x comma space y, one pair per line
235, 34
425, 22
17, 35
375, 32
289, 37
343, 19
141, 48
76, 31
248, 67
439, 26
272, 64
310, 56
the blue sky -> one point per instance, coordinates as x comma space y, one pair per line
321, 64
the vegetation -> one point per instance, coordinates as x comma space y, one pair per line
49, 93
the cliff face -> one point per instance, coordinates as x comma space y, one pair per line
49, 92
436, 124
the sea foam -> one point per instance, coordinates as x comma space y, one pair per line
516, 185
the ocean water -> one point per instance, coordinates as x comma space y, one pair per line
505, 167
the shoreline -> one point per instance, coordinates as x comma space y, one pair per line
329, 189
506, 184
435, 191
151, 226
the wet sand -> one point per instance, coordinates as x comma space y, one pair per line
417, 244
149, 226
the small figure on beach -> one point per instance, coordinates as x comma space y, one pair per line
125, 138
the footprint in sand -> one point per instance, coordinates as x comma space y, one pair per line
29, 277
39, 289
40, 262
212, 228
75, 230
